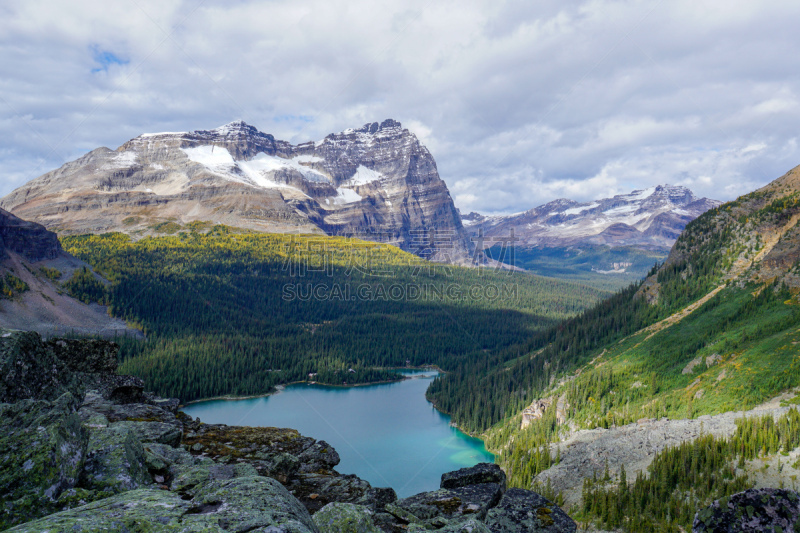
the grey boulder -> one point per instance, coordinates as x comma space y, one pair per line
524, 511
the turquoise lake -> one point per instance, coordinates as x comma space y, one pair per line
388, 434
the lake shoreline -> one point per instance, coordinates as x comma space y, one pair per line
382, 433
280, 387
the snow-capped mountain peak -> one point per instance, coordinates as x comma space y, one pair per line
376, 181
652, 217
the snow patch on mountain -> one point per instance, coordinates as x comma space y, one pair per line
257, 170
163, 133
346, 196
124, 159
364, 175
578, 210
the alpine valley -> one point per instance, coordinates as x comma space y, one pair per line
228, 263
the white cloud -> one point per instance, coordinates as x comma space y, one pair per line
519, 102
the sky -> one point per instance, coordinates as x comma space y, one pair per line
519, 102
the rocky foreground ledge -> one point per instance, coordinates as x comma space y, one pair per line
83, 449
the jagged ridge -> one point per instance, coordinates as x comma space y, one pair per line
651, 217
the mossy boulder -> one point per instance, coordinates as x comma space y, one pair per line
453, 503
253, 504
345, 518
143, 510
153, 431
115, 460
42, 452
468, 525
188, 480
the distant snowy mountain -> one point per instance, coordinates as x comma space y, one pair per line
648, 218
377, 182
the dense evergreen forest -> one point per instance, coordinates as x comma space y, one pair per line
230, 312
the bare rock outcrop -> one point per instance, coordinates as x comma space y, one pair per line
28, 239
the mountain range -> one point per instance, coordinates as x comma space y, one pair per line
645, 218
377, 182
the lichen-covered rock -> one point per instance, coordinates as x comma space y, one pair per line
42, 451
190, 479
166, 404
345, 518
89, 356
170, 455
28, 369
153, 432
452, 503
319, 456
282, 466
751, 510
94, 402
376, 498
523, 511
480, 473
469, 525
115, 460
318, 490
251, 503
142, 510
163, 461
402, 514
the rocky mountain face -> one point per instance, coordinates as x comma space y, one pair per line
28, 239
33, 268
85, 449
377, 182
648, 218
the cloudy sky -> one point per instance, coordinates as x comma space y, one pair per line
520, 102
